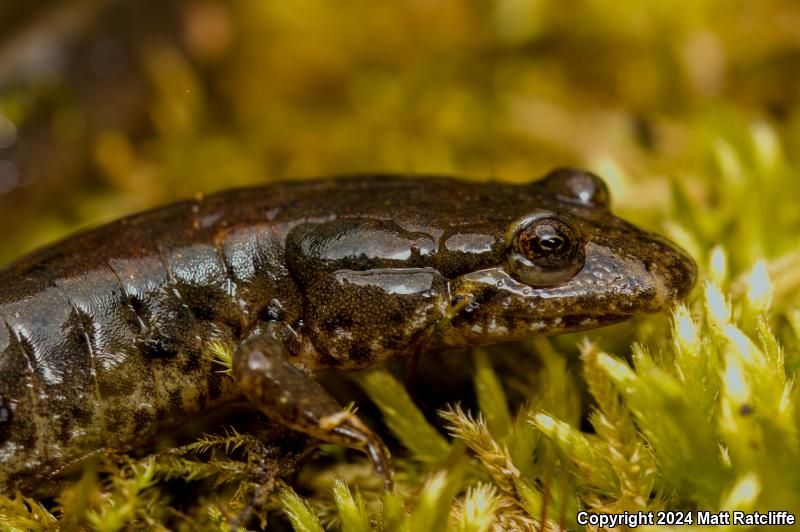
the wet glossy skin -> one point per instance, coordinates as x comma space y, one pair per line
103, 337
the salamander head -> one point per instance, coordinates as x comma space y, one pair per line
566, 264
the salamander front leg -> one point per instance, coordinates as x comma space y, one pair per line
293, 398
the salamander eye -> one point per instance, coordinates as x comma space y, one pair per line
577, 186
543, 250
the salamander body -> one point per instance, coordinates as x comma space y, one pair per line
104, 336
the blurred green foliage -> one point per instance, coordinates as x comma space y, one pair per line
689, 109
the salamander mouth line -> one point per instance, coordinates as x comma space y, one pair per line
575, 322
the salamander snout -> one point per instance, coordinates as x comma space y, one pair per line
673, 271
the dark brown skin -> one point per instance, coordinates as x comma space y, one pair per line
104, 336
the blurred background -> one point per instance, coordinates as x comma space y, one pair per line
690, 109
108, 107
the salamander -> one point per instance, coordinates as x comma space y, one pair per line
104, 335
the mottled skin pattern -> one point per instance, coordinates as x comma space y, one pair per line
102, 336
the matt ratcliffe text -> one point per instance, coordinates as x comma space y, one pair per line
772, 517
